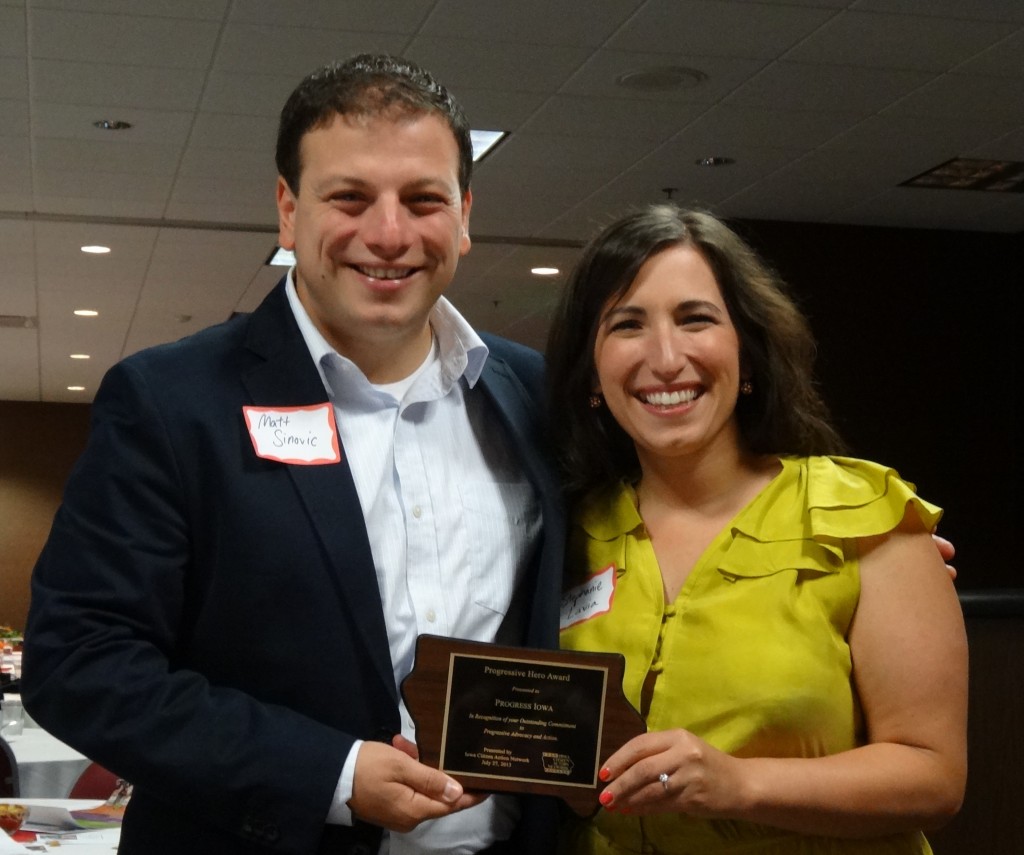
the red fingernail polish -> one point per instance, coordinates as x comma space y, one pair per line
605, 774
605, 798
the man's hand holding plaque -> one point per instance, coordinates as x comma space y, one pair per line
512, 719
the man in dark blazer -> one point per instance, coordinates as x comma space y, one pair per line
207, 617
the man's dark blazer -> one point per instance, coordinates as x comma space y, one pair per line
207, 623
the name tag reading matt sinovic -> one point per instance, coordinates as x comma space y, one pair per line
304, 436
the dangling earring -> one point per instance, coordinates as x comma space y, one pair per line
595, 402
746, 387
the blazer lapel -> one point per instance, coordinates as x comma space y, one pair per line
285, 376
519, 413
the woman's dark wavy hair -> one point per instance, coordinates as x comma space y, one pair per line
783, 415
366, 85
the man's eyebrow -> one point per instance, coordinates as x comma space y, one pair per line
354, 181
329, 181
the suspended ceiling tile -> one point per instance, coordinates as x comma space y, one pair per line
395, 16
131, 39
872, 40
200, 9
293, 51
108, 85
496, 65
564, 23
718, 28
800, 86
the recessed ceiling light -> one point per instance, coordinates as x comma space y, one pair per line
79, 355
96, 249
662, 78
111, 125
715, 161
545, 271
86, 313
76, 388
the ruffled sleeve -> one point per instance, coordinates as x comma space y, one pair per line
856, 498
814, 505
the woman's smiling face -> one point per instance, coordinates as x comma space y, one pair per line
667, 358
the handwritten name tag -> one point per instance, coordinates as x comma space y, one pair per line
306, 436
586, 601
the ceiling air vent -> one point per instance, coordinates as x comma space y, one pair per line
17, 322
963, 173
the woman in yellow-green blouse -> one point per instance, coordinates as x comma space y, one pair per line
791, 635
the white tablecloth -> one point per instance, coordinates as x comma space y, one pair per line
99, 842
47, 767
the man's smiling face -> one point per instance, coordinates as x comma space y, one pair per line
378, 225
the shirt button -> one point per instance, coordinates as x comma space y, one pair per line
431, 615
417, 511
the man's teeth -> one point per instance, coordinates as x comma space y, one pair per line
670, 399
385, 272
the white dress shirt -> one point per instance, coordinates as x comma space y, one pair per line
451, 520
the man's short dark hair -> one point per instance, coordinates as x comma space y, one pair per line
367, 85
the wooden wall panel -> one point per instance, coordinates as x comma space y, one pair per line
992, 817
39, 444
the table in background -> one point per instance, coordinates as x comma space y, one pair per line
47, 767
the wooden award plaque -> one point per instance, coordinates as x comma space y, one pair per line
521, 720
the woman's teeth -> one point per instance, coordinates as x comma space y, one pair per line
670, 399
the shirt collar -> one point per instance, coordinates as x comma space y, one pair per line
609, 514
462, 352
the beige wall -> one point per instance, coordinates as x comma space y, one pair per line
39, 444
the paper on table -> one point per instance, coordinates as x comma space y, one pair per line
48, 818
